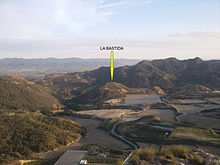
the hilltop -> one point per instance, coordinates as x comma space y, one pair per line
100, 94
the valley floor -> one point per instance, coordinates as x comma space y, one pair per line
94, 136
190, 110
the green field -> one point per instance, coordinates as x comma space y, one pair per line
197, 134
137, 131
107, 124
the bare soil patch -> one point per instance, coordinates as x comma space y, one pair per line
105, 113
189, 109
141, 99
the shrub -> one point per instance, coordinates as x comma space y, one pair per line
147, 154
119, 162
144, 163
197, 160
178, 151
135, 160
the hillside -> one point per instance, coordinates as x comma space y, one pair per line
23, 133
18, 93
159, 76
100, 94
190, 89
25, 129
169, 73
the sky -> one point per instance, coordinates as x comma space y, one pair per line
147, 29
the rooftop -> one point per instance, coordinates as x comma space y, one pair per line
71, 157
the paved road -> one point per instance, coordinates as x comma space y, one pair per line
135, 147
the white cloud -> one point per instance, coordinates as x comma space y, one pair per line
197, 34
125, 3
54, 18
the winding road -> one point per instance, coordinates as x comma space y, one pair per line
135, 147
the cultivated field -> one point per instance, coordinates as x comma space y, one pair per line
215, 100
189, 109
98, 136
195, 133
141, 99
191, 101
165, 114
209, 106
105, 113
205, 122
94, 136
130, 117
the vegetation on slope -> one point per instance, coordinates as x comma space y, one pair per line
196, 133
24, 129
98, 95
23, 133
173, 154
107, 124
18, 93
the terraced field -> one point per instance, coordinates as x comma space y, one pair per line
141, 99
191, 101
205, 122
105, 113
195, 133
189, 109
165, 114
215, 100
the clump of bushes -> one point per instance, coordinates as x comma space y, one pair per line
135, 160
168, 155
107, 124
119, 162
148, 154
197, 160
178, 151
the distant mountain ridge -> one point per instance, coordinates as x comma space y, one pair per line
164, 75
40, 67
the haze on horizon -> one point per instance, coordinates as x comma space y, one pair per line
147, 29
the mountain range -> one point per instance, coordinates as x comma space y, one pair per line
166, 75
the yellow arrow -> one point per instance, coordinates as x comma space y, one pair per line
112, 65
